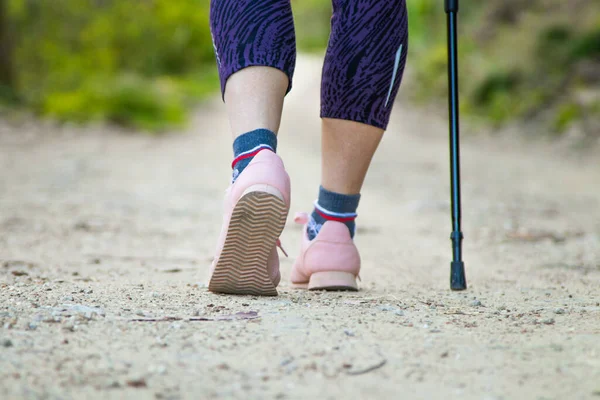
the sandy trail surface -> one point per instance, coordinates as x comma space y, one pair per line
106, 238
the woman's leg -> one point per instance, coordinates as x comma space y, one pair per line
347, 150
256, 52
361, 76
255, 47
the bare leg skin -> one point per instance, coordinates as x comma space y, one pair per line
348, 148
254, 99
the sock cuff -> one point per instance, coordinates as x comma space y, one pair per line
252, 139
337, 206
251, 143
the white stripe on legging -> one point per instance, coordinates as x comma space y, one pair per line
396, 64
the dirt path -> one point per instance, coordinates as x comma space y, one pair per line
99, 228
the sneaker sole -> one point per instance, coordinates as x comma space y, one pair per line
257, 221
331, 281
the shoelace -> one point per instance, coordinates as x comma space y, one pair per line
278, 244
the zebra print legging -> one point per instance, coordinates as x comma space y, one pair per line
365, 57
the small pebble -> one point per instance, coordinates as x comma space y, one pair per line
80, 309
68, 298
137, 383
286, 361
559, 311
399, 313
157, 369
548, 321
7, 343
69, 326
556, 347
140, 313
476, 303
348, 332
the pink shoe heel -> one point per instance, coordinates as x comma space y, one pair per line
328, 262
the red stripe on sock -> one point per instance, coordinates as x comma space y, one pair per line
338, 219
249, 155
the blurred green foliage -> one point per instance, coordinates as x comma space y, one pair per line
137, 63
312, 22
142, 63
520, 60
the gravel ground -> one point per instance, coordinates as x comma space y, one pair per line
106, 238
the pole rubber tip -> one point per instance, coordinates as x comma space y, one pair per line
458, 281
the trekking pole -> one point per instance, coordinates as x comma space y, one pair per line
458, 280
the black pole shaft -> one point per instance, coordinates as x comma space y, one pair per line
457, 268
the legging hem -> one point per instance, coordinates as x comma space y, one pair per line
355, 117
259, 60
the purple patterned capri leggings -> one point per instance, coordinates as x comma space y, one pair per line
365, 57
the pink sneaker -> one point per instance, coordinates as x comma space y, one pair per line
328, 262
256, 208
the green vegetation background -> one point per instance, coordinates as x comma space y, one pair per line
144, 63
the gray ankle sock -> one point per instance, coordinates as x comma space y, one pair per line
331, 206
246, 146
